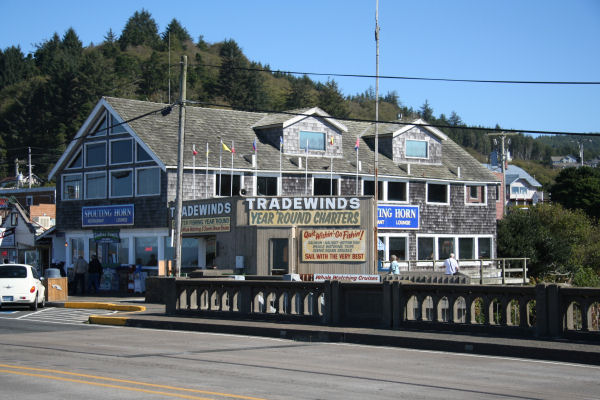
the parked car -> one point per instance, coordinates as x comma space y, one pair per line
20, 284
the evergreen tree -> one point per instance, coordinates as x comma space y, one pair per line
426, 112
331, 100
14, 66
177, 34
578, 188
154, 76
300, 94
141, 29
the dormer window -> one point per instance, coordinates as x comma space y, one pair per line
416, 149
314, 140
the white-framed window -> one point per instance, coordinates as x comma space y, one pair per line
121, 183
121, 151
437, 193
266, 185
416, 148
498, 193
396, 191
147, 181
466, 247
393, 244
95, 185
76, 161
475, 195
314, 140
95, 154
141, 155
116, 126
369, 188
325, 186
101, 126
72, 185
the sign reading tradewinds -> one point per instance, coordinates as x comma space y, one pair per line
398, 217
121, 214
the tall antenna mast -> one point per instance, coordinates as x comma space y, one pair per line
375, 216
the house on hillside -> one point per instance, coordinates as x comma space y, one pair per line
564, 161
268, 193
521, 189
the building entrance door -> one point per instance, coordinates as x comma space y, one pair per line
279, 256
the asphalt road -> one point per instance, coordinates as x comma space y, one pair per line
77, 361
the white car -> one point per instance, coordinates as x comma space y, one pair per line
20, 284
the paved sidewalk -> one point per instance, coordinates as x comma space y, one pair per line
153, 316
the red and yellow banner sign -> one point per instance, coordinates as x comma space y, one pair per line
329, 245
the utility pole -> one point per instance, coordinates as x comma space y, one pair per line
503, 159
180, 140
580, 144
29, 167
375, 216
17, 172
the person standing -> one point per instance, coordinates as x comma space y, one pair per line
451, 265
395, 265
94, 274
81, 269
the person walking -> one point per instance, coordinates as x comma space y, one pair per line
94, 274
81, 269
451, 265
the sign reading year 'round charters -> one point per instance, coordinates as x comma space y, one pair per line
330, 245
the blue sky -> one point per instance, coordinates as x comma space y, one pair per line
540, 40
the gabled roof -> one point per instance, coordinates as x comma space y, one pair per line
514, 173
291, 117
158, 135
399, 127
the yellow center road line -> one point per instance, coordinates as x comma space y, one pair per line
19, 370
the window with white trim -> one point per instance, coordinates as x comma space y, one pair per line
438, 193
121, 183
77, 161
325, 187
121, 151
266, 186
397, 191
95, 154
95, 185
72, 187
369, 189
147, 182
416, 148
101, 126
314, 140
116, 126
141, 154
475, 194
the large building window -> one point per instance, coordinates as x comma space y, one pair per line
438, 193
425, 248
485, 247
445, 247
146, 251
416, 149
141, 154
325, 187
77, 161
475, 194
397, 246
76, 248
397, 191
121, 183
101, 126
121, 151
116, 126
224, 186
466, 248
266, 186
189, 252
71, 187
95, 154
369, 189
147, 181
314, 140
95, 185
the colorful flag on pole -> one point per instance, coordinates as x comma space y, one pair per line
356, 145
331, 140
194, 152
254, 145
280, 143
225, 147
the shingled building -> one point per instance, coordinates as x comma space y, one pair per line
302, 185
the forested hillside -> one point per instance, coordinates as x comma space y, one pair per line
45, 96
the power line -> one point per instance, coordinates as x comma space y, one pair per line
413, 78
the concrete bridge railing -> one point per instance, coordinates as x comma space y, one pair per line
525, 311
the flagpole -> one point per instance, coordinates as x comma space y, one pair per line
194, 172
232, 151
206, 173
255, 148
306, 171
356, 166
331, 177
280, 168
220, 167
